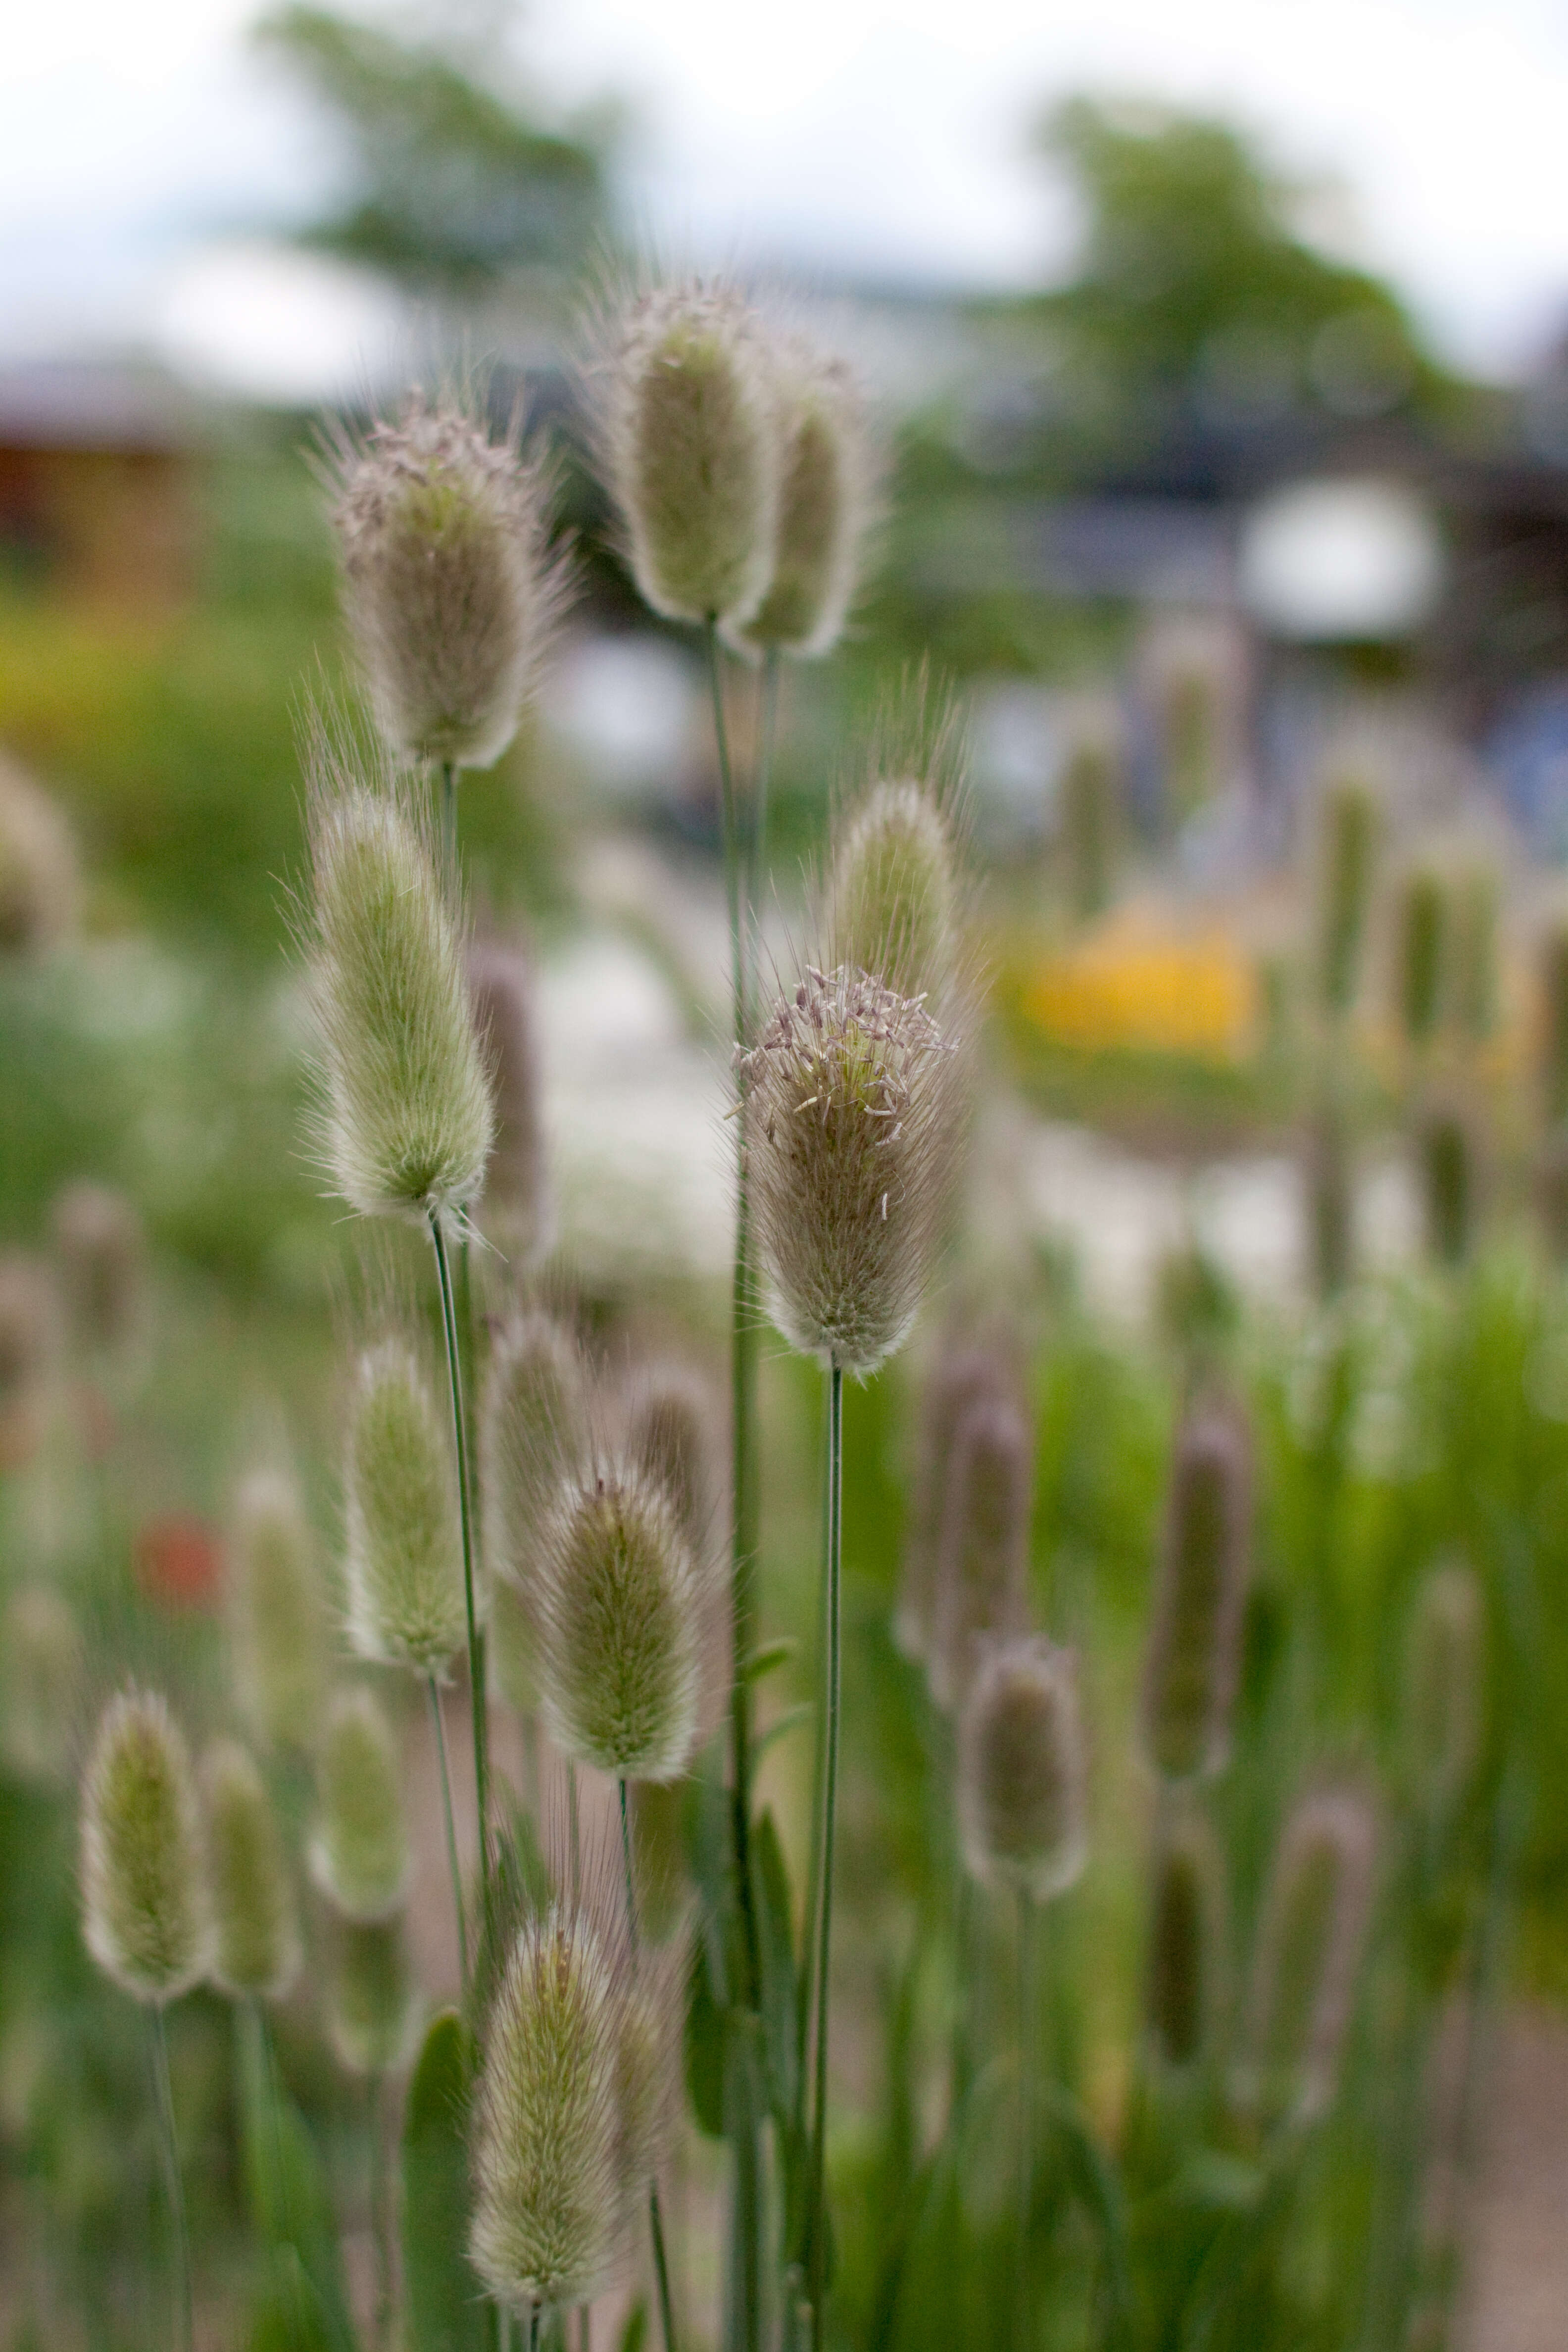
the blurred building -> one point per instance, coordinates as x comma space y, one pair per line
97, 492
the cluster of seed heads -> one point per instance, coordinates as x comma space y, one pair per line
854, 1112
450, 592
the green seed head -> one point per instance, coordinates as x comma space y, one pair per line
278, 1624
983, 1555
692, 452
1423, 953
555, 2165
1195, 1651
671, 1424
625, 1605
826, 473
402, 1563
408, 1124
143, 1874
1188, 1941
894, 892
41, 1663
255, 1934
1021, 1769
533, 1437
1444, 1689
99, 1246
39, 884
856, 1122
372, 2003
450, 589
1351, 823
358, 1855
1315, 1914
517, 1193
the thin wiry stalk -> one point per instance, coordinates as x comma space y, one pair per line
452, 1862
655, 2217
176, 2186
380, 2211
744, 1333
1027, 2063
830, 1681
819, 1784
464, 1501
757, 831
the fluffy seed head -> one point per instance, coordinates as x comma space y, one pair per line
692, 452
359, 1854
894, 891
626, 1604
1445, 1687
256, 1934
1422, 953
278, 1624
516, 1195
1195, 1650
143, 1874
40, 885
670, 1425
1449, 1184
1021, 1769
556, 2163
533, 1437
99, 1243
983, 1553
408, 1124
854, 1127
403, 1567
1188, 1938
1351, 825
825, 476
1315, 1914
962, 1373
41, 1662
449, 591
372, 2006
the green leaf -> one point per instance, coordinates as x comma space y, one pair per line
772, 1654
444, 2301
790, 1720
291, 2316
704, 2045
634, 2335
286, 2184
776, 1948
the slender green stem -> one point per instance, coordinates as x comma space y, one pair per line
1028, 2002
380, 2211
584, 2328
655, 2217
818, 1783
176, 2185
757, 830
465, 1499
452, 1862
533, 2327
830, 1681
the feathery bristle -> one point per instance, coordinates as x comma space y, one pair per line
40, 885
1444, 1689
408, 1121
961, 1374
825, 478
450, 589
1188, 1941
893, 894
982, 1551
99, 1245
1195, 1649
41, 1663
671, 1420
278, 1621
1422, 953
1351, 823
1316, 1910
143, 1871
1449, 1184
517, 1208
854, 1127
692, 452
626, 1604
403, 1564
1021, 1770
555, 2161
533, 1436
359, 1854
373, 2001
255, 1934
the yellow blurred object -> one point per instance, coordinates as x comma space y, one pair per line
1140, 983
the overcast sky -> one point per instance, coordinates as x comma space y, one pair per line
826, 133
